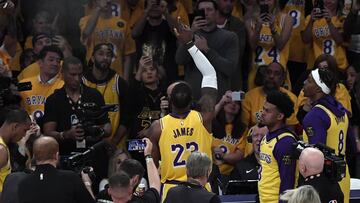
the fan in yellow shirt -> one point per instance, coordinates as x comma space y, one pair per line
45, 83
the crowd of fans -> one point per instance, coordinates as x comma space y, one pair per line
124, 92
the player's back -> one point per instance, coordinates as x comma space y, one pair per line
179, 137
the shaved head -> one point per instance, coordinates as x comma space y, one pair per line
311, 161
45, 149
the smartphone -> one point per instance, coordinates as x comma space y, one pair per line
200, 13
238, 96
264, 8
24, 86
136, 145
319, 6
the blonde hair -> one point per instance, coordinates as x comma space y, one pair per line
303, 194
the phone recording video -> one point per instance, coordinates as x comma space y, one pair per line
238, 96
136, 145
264, 8
200, 13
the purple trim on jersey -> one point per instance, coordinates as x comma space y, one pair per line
318, 120
284, 148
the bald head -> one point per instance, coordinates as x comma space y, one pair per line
45, 149
311, 161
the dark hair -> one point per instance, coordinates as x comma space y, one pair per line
329, 78
282, 102
356, 66
25, 55
211, 1
38, 36
108, 45
132, 168
70, 60
48, 49
219, 125
17, 116
119, 180
181, 95
330, 60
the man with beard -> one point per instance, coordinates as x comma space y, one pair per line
328, 121
220, 46
154, 38
227, 21
274, 75
113, 88
277, 166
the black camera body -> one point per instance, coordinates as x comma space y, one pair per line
7, 96
334, 165
88, 114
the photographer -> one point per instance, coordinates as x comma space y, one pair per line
311, 165
69, 125
49, 184
123, 184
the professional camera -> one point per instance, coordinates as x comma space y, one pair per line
89, 113
334, 165
7, 95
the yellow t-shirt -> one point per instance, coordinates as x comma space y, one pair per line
30, 71
296, 9
323, 42
7, 168
113, 30
228, 145
341, 94
34, 100
266, 51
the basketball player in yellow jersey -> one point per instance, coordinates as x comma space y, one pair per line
184, 130
277, 166
43, 84
112, 87
323, 31
101, 27
269, 38
17, 122
328, 122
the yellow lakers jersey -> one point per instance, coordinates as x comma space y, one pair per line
323, 42
109, 90
34, 100
266, 51
296, 9
113, 30
30, 71
269, 183
6, 169
180, 137
336, 139
228, 145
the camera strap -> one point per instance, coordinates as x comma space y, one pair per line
75, 105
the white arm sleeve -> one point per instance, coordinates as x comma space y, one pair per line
205, 67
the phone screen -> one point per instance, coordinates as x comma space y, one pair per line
136, 145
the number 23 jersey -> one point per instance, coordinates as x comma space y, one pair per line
180, 137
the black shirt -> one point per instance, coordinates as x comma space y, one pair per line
327, 189
58, 109
190, 193
48, 184
160, 43
150, 196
